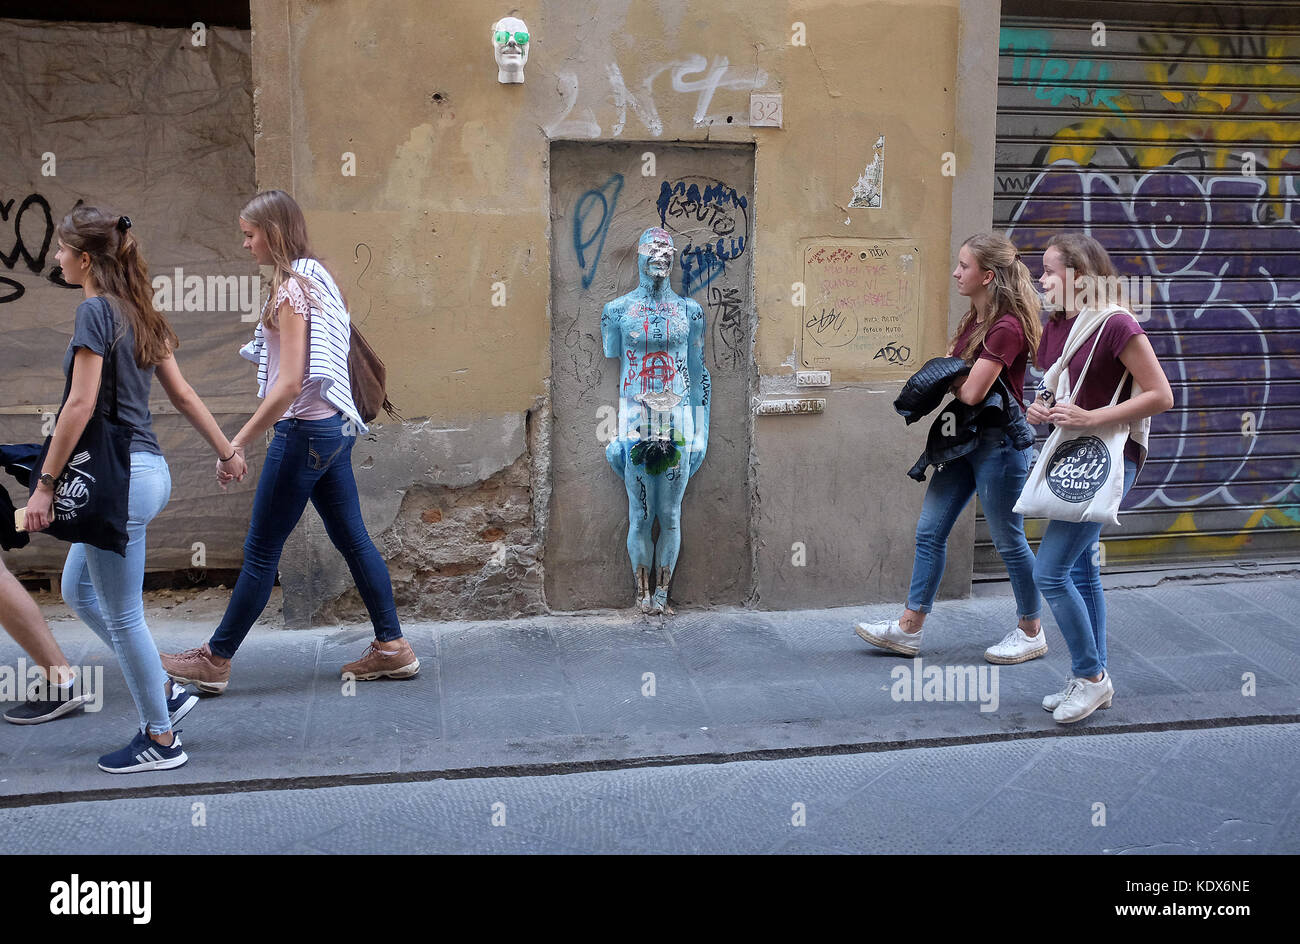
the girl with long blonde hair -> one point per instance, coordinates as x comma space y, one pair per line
301, 348
996, 337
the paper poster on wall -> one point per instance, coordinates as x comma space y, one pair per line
870, 189
862, 312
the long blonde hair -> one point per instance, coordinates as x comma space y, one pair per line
117, 265
281, 221
1012, 290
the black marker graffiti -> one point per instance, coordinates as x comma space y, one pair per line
356, 257
894, 353
728, 349
34, 261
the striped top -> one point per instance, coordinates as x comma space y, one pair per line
330, 335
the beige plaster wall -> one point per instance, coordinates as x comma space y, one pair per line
451, 196
450, 192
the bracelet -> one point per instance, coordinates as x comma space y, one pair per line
229, 457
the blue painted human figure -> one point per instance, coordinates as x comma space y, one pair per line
663, 411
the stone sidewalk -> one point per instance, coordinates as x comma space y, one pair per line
1160, 792
587, 692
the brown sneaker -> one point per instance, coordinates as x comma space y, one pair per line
392, 659
196, 667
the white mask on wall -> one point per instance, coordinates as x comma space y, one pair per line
510, 44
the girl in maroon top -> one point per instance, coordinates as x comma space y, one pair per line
996, 337
1068, 571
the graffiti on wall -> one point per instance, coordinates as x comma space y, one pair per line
694, 75
589, 241
32, 227
1058, 81
1171, 227
715, 220
1191, 178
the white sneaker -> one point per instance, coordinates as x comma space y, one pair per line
1082, 698
1016, 646
889, 635
1050, 702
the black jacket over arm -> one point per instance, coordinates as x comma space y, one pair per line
925, 390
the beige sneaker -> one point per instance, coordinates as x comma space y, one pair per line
391, 659
195, 667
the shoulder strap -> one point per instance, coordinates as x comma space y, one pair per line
1088, 363
1124, 377
108, 364
111, 364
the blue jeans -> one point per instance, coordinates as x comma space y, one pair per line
307, 459
1068, 573
104, 589
997, 470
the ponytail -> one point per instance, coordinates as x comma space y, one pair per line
119, 270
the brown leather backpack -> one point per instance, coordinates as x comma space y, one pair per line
368, 376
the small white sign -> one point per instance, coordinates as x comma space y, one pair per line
813, 378
765, 110
811, 405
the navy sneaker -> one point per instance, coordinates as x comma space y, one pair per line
37, 710
179, 705
144, 753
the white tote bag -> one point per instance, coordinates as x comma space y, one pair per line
1079, 475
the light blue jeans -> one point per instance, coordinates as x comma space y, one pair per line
997, 470
1068, 572
105, 589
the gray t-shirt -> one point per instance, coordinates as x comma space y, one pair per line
95, 330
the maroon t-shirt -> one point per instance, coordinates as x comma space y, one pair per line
1006, 344
1105, 370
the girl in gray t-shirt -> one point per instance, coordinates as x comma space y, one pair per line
117, 320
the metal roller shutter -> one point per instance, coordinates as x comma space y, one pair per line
1176, 144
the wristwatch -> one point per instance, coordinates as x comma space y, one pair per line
47, 480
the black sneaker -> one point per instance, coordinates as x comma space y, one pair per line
39, 710
144, 753
179, 705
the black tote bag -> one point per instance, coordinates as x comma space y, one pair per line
92, 491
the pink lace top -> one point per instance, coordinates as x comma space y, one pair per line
309, 405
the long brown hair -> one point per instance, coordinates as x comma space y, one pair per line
1085, 259
1012, 290
281, 220
119, 271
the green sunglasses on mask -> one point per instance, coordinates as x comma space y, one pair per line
503, 36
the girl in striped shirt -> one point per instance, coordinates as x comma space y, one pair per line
301, 347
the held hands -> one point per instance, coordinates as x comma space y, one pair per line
233, 469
